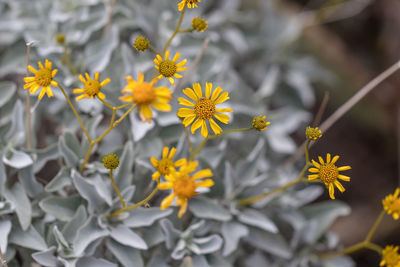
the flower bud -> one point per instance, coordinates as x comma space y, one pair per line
111, 161
141, 43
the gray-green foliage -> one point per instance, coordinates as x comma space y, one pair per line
61, 218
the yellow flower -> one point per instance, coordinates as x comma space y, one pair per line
164, 165
184, 185
111, 161
203, 108
390, 257
391, 204
91, 88
141, 43
43, 79
259, 123
144, 94
313, 133
199, 24
329, 174
190, 4
168, 68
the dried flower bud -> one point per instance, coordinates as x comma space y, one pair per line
141, 43
199, 24
313, 133
111, 161
259, 123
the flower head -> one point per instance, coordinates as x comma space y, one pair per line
43, 79
259, 123
141, 43
145, 95
204, 108
390, 257
313, 133
184, 185
60, 38
391, 204
199, 24
328, 172
169, 68
91, 87
189, 3
165, 164
111, 161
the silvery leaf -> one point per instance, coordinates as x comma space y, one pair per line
140, 217
139, 128
153, 235
62, 179
208, 244
29, 182
254, 218
126, 236
44, 155
171, 233
62, 208
69, 155
123, 174
17, 123
46, 258
269, 84
3, 177
207, 209
17, 159
7, 90
17, 196
5, 227
79, 218
127, 256
93, 262
86, 234
232, 233
28, 239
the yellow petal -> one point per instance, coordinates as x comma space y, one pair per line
165, 186
202, 174
188, 120
101, 95
180, 64
82, 79
316, 164
172, 153
161, 106
335, 158
197, 90
313, 170
205, 183
321, 160
214, 126
216, 93
42, 92
222, 98
220, 110
156, 175
343, 177
208, 90
165, 152
344, 168
185, 102
222, 117
154, 161
312, 177
204, 130
146, 113
328, 158
184, 112
339, 186
105, 82
34, 71
176, 57
183, 208
331, 191
167, 201
190, 93
196, 125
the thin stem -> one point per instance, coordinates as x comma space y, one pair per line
188, 140
2, 260
374, 227
186, 30
373, 246
175, 31
144, 201
347, 250
87, 156
200, 147
105, 103
306, 151
35, 105
109, 17
28, 103
300, 178
113, 117
117, 190
122, 106
76, 113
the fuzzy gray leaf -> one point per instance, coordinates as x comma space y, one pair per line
140, 217
86, 234
7, 90
127, 237
62, 208
254, 218
79, 218
123, 175
208, 244
27, 179
93, 262
62, 179
17, 196
207, 209
17, 159
232, 233
127, 256
28, 239
5, 227
46, 258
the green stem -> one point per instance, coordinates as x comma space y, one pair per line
374, 227
105, 103
112, 117
373, 246
117, 190
87, 156
186, 30
306, 152
347, 250
144, 201
188, 140
200, 147
76, 113
175, 31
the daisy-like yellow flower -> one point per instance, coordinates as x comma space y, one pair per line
43, 79
391, 204
144, 94
91, 87
169, 68
390, 257
184, 185
165, 164
189, 3
328, 172
204, 108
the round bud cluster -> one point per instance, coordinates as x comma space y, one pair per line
259, 123
141, 43
313, 133
199, 24
111, 161
60, 38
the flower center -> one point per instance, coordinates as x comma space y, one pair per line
184, 187
43, 77
167, 68
144, 94
328, 173
192, 1
163, 166
396, 205
204, 108
92, 87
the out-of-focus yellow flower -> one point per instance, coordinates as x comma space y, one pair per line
204, 108
199, 24
165, 164
184, 185
313, 133
329, 174
189, 3
169, 68
91, 87
43, 79
390, 257
391, 204
259, 123
145, 95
